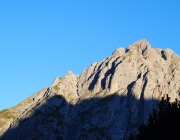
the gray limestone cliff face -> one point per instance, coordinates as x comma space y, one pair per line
139, 63
67, 87
109, 100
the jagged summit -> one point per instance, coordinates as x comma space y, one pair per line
119, 52
140, 46
66, 87
109, 100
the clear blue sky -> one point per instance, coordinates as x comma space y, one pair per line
42, 39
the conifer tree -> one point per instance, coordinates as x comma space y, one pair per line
164, 123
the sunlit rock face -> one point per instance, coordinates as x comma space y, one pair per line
109, 100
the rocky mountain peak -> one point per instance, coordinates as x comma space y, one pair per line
66, 87
119, 52
109, 100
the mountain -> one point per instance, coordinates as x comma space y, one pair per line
109, 100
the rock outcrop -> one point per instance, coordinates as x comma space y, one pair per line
109, 100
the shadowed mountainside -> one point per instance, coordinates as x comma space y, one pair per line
96, 118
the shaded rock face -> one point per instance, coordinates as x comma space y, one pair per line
109, 100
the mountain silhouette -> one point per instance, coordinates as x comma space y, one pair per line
109, 100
